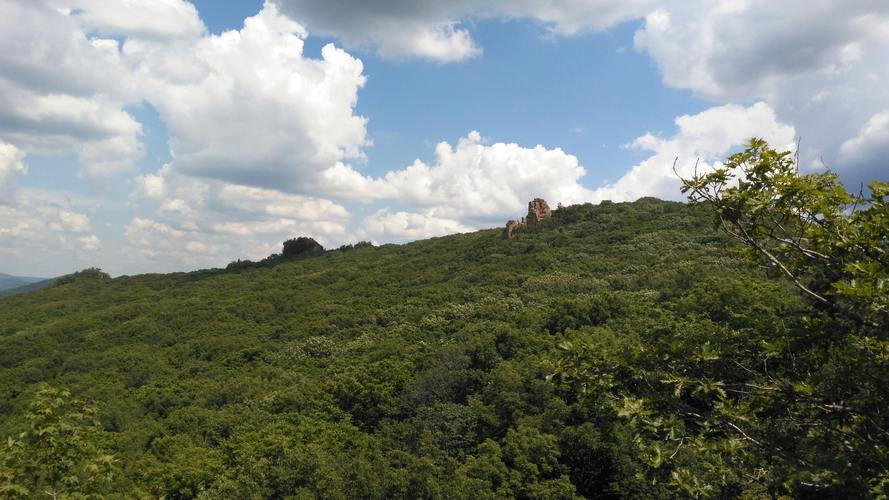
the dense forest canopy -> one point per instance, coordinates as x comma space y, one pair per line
630, 350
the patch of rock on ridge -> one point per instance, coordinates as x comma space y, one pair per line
538, 211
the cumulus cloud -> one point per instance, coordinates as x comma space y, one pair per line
473, 185
47, 227
476, 185
708, 136
431, 29
398, 28
245, 112
470, 185
244, 106
406, 226
869, 150
153, 19
154, 245
822, 66
736, 49
474, 181
72, 221
90, 243
12, 164
150, 185
248, 108
208, 222
62, 92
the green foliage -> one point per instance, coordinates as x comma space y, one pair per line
420, 371
91, 274
58, 455
829, 242
301, 246
739, 388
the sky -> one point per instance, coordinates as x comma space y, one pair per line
167, 135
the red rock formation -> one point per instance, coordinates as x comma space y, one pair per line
511, 227
538, 211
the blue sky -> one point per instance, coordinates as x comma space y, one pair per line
184, 139
589, 95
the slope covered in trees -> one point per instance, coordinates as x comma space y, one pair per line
623, 350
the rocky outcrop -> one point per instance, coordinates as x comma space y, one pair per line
538, 211
510, 230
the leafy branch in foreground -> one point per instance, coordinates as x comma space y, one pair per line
725, 405
832, 244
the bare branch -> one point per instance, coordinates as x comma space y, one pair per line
752, 242
744, 434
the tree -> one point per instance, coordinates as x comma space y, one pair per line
58, 456
302, 246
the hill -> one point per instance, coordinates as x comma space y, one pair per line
422, 370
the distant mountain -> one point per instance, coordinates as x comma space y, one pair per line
8, 281
11, 285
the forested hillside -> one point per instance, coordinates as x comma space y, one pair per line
466, 366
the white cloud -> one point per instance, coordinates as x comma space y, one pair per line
443, 43
207, 222
156, 246
12, 163
178, 207
476, 185
45, 227
430, 29
247, 107
17, 225
406, 226
139, 227
90, 243
474, 181
708, 136
749, 48
150, 185
823, 66
277, 204
869, 150
72, 221
244, 106
470, 186
200, 247
163, 19
61, 92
